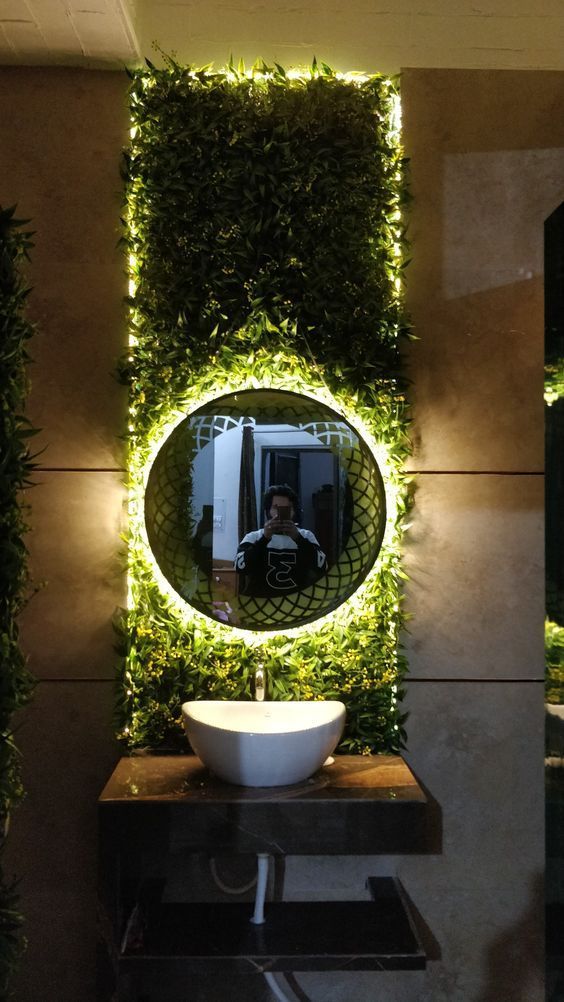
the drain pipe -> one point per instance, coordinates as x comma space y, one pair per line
276, 989
261, 880
262, 877
259, 919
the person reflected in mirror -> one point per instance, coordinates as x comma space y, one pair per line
281, 557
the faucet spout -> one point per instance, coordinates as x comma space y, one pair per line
260, 684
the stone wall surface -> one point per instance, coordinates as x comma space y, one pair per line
61, 132
362, 35
487, 167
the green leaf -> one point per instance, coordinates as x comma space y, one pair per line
262, 225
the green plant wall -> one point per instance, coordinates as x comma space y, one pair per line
554, 655
263, 223
16, 465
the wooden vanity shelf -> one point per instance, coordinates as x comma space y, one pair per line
165, 807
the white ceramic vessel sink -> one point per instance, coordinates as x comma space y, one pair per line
263, 744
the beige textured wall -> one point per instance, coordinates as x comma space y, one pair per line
61, 132
487, 167
368, 35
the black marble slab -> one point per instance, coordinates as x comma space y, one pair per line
375, 935
156, 809
358, 805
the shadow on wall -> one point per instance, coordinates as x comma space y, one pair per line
433, 817
511, 959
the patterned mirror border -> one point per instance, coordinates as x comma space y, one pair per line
168, 500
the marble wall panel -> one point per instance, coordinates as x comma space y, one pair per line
76, 519
474, 556
61, 133
66, 738
487, 168
76, 400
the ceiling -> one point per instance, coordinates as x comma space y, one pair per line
67, 32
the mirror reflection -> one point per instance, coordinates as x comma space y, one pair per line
281, 557
264, 509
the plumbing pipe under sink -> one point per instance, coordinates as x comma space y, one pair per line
261, 880
258, 918
260, 894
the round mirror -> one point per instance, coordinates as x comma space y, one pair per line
265, 509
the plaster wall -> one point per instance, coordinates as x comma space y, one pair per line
487, 168
364, 35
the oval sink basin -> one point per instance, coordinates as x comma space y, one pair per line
263, 744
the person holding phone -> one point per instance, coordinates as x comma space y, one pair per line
281, 557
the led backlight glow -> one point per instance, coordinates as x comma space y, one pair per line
138, 531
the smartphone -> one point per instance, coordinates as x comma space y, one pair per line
284, 512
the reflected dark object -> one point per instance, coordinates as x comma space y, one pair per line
282, 557
202, 543
205, 490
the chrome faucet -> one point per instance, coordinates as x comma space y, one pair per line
260, 683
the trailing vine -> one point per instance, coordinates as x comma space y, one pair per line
16, 465
263, 224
